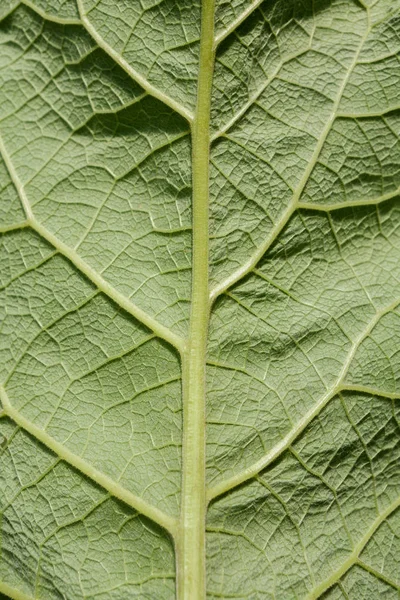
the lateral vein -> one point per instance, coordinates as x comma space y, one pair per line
51, 18
125, 303
352, 559
238, 21
13, 593
340, 386
14, 227
349, 204
263, 248
190, 549
103, 480
135, 75
377, 574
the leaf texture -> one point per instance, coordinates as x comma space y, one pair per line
200, 299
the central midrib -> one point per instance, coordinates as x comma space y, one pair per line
190, 543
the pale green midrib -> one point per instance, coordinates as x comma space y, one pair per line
133, 73
115, 489
245, 269
340, 386
353, 557
190, 545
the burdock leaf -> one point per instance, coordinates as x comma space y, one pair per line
200, 299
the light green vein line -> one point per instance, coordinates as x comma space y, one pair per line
254, 98
378, 574
364, 389
352, 559
28, 269
138, 77
293, 522
340, 385
14, 227
238, 21
13, 593
191, 545
124, 302
368, 115
350, 203
137, 582
116, 490
262, 249
354, 426
16, 181
224, 596
255, 258
253, 470
29, 485
61, 527
343, 591
51, 18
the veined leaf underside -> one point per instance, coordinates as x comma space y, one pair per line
200, 296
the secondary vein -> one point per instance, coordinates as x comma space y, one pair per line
103, 480
340, 385
135, 75
125, 303
241, 272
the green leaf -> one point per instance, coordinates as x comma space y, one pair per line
200, 299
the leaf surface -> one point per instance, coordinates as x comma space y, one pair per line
200, 299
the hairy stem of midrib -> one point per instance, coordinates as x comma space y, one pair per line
190, 545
